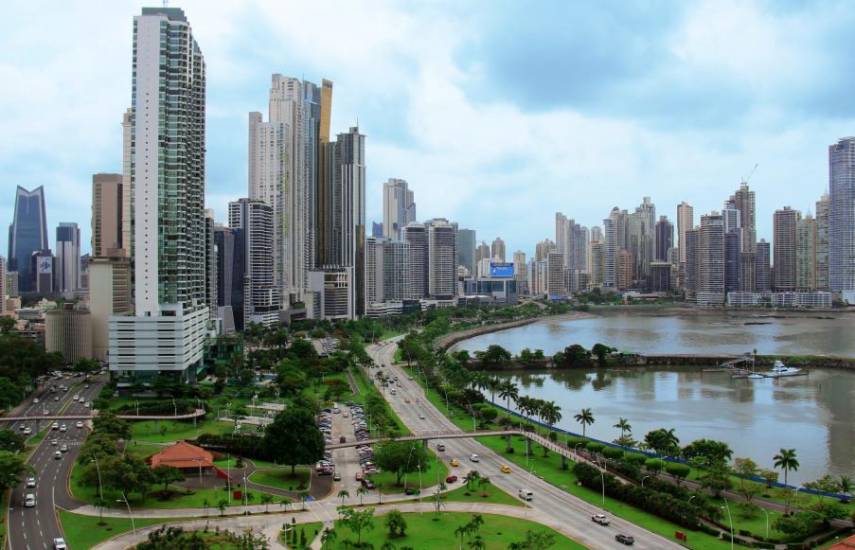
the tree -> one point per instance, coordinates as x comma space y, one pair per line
770, 476
357, 520
396, 524
601, 352
12, 469
534, 540
584, 417
294, 438
663, 442
6, 325
167, 475
343, 494
401, 457
845, 485
361, 491
328, 538
494, 356
746, 468
11, 441
86, 365
266, 499
222, 505
624, 426
173, 538
290, 377
551, 414
716, 478
709, 450
786, 460
509, 392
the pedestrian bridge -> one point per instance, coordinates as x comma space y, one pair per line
198, 413
427, 436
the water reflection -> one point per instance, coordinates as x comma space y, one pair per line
813, 414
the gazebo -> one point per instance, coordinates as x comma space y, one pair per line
185, 457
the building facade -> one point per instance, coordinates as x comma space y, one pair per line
67, 265
27, 234
399, 208
841, 226
785, 227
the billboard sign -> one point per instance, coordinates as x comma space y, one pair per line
502, 270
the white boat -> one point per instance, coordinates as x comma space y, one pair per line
755, 376
780, 370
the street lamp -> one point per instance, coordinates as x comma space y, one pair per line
767, 519
603, 481
130, 515
100, 486
730, 519
642, 482
576, 449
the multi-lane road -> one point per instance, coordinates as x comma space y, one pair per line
36, 528
419, 414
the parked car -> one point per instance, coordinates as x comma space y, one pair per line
625, 539
600, 518
367, 483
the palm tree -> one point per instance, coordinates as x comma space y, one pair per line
266, 499
361, 491
507, 391
585, 417
786, 460
494, 384
343, 494
551, 414
845, 485
624, 426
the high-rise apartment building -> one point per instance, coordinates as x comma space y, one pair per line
806, 241
415, 234
743, 201
497, 250
762, 267
399, 208
520, 272
711, 260
466, 249
823, 212
784, 228
42, 266
555, 286
664, 238
482, 253
387, 271
67, 266
167, 332
442, 265
231, 273
4, 291
210, 265
732, 257
253, 220
685, 222
690, 266
108, 196
841, 225
27, 235
127, 194
624, 269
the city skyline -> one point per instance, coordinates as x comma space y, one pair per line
476, 177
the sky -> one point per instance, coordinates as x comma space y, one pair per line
497, 113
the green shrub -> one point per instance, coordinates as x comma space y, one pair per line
677, 469
635, 458
594, 447
654, 464
612, 453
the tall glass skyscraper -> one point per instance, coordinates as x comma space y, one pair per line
841, 223
27, 234
168, 182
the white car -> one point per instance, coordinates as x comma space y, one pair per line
75, 398
30, 500
54, 426
59, 544
475, 458
63, 448
79, 424
57, 455
36, 401
88, 404
31, 482
54, 442
63, 428
421, 416
28, 431
525, 494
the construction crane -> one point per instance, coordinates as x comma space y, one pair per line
751, 173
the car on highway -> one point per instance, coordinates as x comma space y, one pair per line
451, 479
28, 431
525, 494
75, 398
88, 405
54, 442
440, 447
63, 448
600, 518
79, 424
626, 540
474, 458
454, 462
35, 401
30, 500
505, 469
57, 455
421, 416
31, 482
59, 544
337, 477
56, 398
54, 426
63, 428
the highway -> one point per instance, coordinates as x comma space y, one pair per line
549, 501
35, 528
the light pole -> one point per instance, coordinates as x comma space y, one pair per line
100, 486
576, 449
730, 519
642, 482
767, 519
603, 481
130, 515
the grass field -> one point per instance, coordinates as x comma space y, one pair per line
85, 531
486, 493
281, 478
165, 431
430, 531
385, 481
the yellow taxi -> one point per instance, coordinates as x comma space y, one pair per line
454, 462
505, 469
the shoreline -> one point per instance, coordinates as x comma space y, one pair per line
446, 341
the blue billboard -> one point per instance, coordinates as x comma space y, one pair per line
502, 270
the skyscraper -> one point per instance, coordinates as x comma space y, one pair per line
732, 257
254, 221
685, 222
497, 250
664, 238
743, 201
231, 273
466, 249
762, 267
711, 261
350, 166
841, 226
785, 224
67, 267
399, 208
823, 211
27, 234
107, 210
442, 265
416, 236
689, 245
520, 272
168, 182
806, 241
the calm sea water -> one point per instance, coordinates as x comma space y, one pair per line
814, 414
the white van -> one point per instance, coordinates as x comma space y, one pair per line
526, 494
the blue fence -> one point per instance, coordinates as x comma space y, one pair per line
758, 479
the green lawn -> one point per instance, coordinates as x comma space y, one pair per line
280, 477
429, 531
85, 531
311, 529
196, 499
436, 470
165, 431
485, 493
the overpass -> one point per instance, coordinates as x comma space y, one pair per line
198, 413
424, 436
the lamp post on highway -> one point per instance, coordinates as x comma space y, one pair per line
100, 486
603, 481
576, 449
763, 509
730, 519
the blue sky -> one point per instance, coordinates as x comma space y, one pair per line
498, 113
